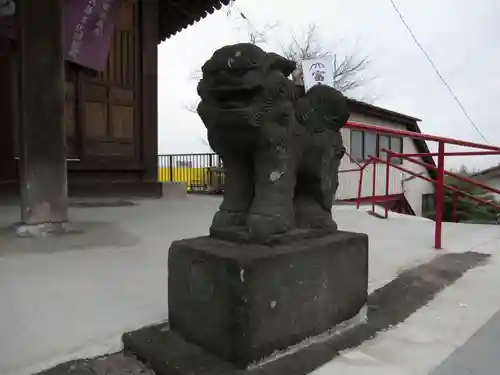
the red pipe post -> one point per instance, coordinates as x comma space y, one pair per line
387, 173
471, 153
457, 176
381, 199
374, 184
455, 203
360, 187
412, 173
454, 189
360, 184
439, 198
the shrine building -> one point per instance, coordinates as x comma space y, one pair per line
79, 110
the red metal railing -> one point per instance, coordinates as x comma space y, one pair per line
439, 181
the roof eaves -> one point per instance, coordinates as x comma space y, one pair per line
410, 122
186, 14
370, 109
495, 168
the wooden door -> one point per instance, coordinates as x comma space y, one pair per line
71, 112
110, 109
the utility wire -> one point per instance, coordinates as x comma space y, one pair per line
455, 97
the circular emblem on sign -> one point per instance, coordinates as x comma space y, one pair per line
201, 285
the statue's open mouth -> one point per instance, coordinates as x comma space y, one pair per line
235, 97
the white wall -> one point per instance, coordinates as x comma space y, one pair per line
494, 182
413, 189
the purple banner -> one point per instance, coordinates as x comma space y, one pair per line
8, 27
7, 19
88, 27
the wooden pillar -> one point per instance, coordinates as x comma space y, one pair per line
7, 125
41, 113
149, 88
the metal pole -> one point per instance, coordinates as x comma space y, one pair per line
387, 173
160, 167
360, 187
439, 198
454, 175
470, 153
455, 203
171, 167
461, 192
374, 184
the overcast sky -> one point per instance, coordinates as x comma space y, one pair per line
461, 37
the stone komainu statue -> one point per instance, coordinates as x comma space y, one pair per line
281, 147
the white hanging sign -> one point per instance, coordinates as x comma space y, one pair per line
318, 72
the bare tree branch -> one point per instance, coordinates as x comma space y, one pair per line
196, 75
255, 35
192, 108
305, 47
348, 70
205, 142
260, 36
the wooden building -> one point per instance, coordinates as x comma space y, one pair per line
108, 120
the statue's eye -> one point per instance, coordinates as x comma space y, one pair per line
331, 118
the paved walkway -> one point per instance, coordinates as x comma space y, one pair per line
73, 297
116, 364
387, 307
440, 338
480, 355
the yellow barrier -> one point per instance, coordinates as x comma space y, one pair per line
192, 177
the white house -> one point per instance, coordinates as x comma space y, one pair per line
491, 177
409, 194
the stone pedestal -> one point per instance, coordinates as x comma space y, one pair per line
243, 302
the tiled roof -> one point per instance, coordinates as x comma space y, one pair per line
176, 15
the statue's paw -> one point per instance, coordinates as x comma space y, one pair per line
262, 226
318, 222
308, 215
226, 220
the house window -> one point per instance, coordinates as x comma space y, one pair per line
364, 145
357, 145
428, 203
396, 145
369, 145
384, 142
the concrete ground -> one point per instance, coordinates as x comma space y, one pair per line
72, 297
454, 334
479, 355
